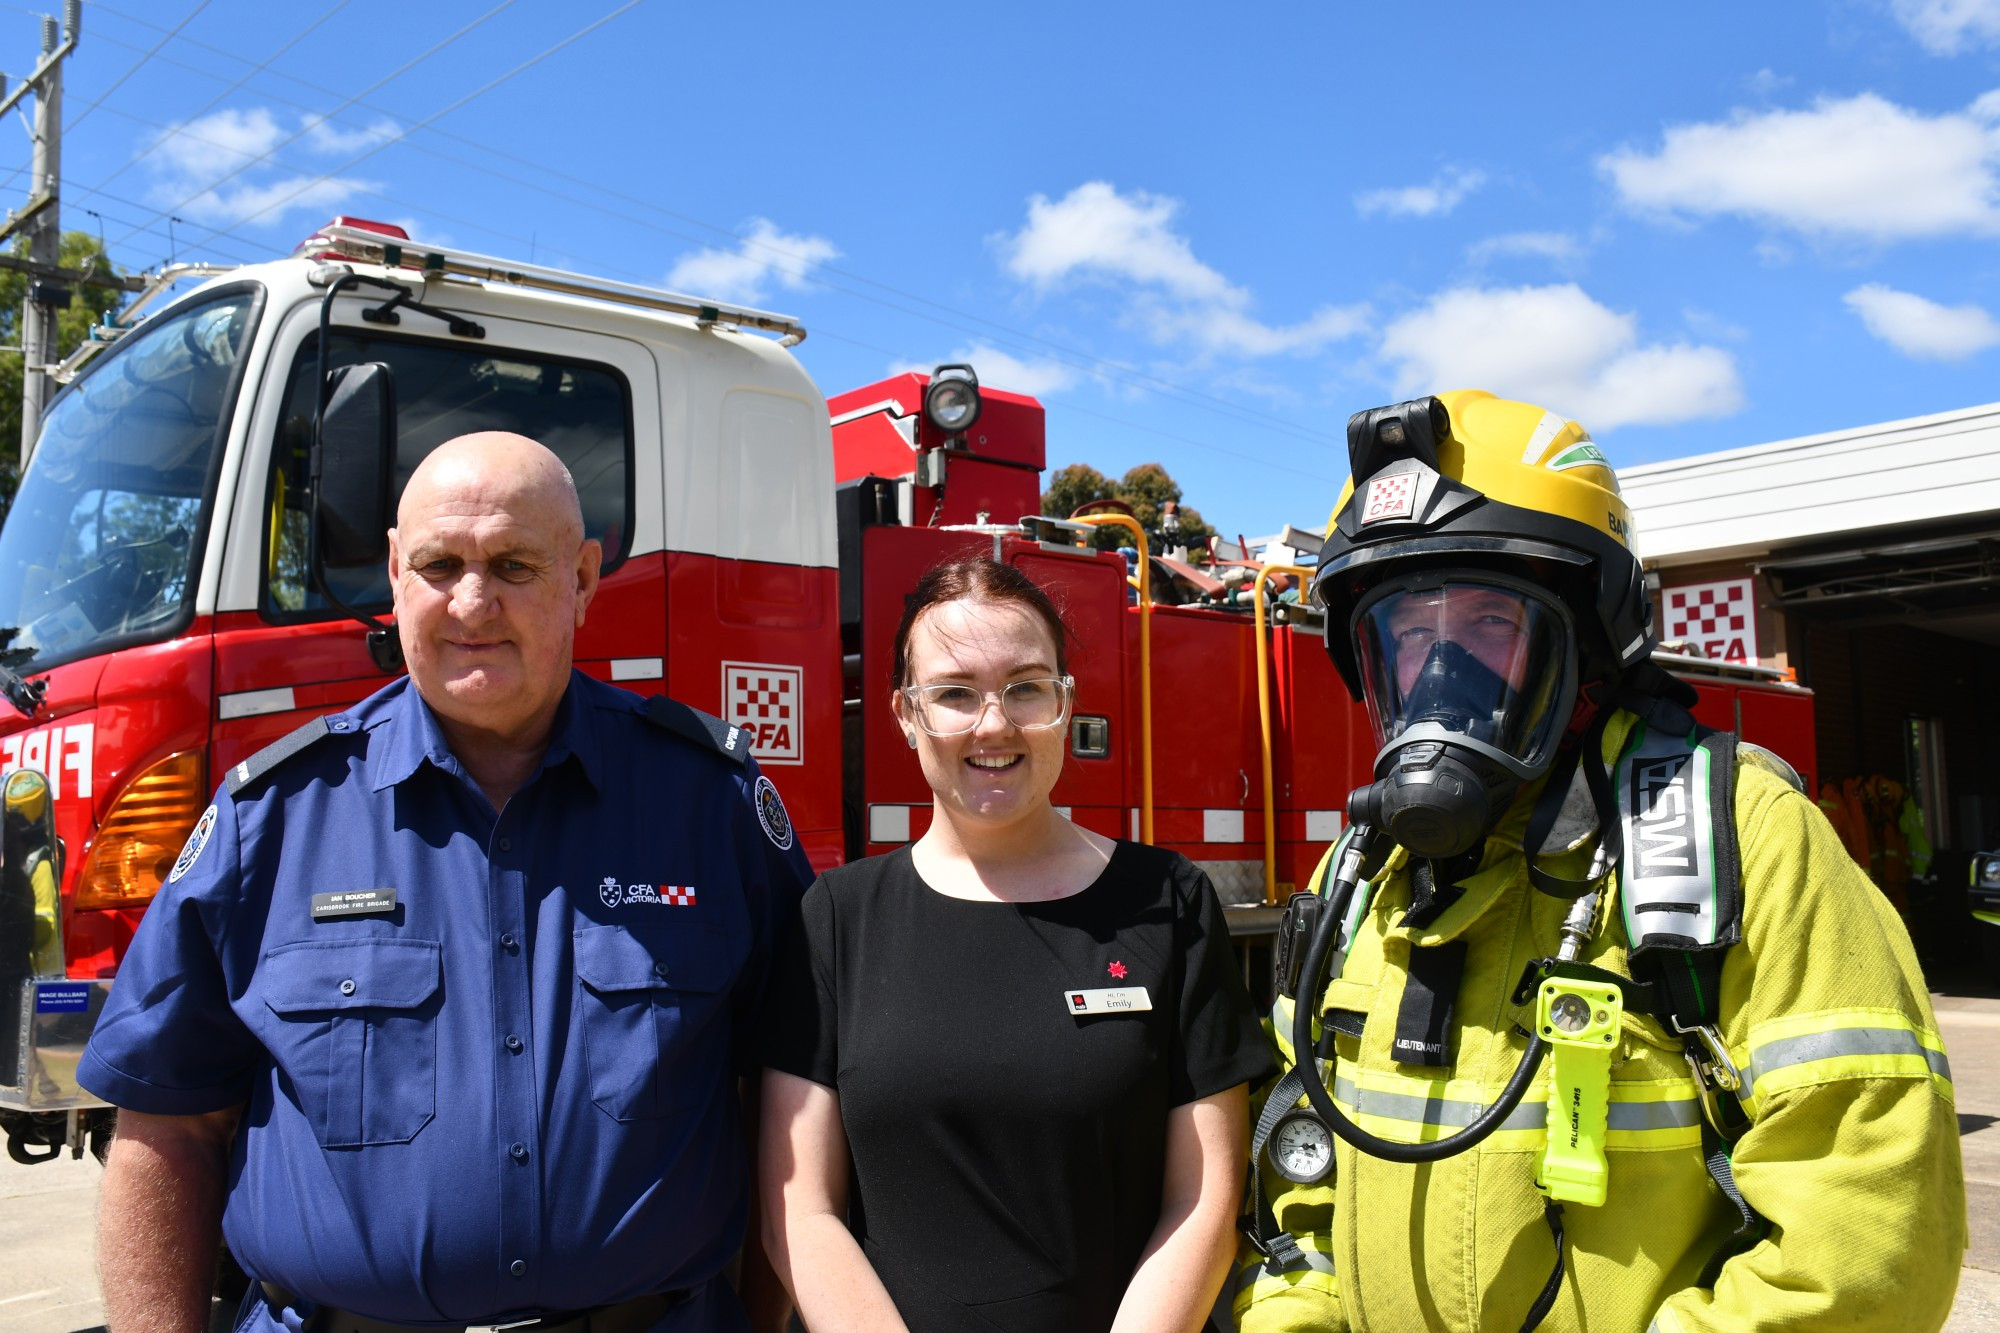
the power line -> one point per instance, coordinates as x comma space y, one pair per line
136, 66
820, 274
212, 102
1023, 340
446, 110
311, 124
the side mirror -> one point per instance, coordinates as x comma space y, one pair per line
354, 451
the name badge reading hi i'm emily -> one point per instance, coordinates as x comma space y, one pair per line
1123, 1000
353, 902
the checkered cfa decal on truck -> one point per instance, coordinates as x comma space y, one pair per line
1721, 617
766, 700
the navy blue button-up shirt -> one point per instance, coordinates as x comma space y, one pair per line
513, 1091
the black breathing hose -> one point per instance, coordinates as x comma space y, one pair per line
1305, 1006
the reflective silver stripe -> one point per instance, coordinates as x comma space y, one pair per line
1788, 1051
1432, 1110
1313, 1259
1676, 1114
1680, 1113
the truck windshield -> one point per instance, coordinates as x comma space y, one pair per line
99, 549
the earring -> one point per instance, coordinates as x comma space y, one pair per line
911, 737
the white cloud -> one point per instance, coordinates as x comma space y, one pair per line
1003, 370
1557, 347
1946, 27
1558, 247
1920, 328
1127, 241
188, 163
764, 256
1768, 82
1445, 192
1861, 168
327, 137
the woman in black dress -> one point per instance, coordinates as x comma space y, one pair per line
1007, 1064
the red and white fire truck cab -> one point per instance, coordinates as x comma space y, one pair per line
162, 616
195, 543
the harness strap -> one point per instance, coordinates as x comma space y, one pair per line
1751, 1226
1552, 1213
1281, 1248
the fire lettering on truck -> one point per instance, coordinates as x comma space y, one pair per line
60, 753
765, 699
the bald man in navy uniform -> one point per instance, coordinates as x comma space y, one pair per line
442, 1011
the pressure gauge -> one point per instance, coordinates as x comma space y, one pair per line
1302, 1148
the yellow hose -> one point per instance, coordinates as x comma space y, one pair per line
1145, 665
1264, 722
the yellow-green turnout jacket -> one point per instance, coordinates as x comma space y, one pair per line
1850, 1156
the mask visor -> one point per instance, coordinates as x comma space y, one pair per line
1453, 655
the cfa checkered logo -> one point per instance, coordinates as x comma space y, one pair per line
1390, 497
767, 702
1721, 617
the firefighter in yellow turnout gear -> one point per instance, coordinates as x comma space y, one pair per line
1484, 601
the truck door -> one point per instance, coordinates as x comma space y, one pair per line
282, 654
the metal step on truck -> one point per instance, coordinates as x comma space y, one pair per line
193, 567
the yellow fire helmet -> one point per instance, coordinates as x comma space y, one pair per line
1468, 481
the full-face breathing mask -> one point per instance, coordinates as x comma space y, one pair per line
1469, 678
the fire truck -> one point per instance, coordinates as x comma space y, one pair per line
194, 566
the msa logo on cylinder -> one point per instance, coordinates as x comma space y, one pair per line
1663, 812
766, 701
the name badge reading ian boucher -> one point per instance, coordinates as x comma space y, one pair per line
1123, 1000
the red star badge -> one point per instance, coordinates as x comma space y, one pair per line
1117, 971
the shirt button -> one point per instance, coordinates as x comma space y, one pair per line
347, 986
507, 941
513, 1042
659, 969
519, 1152
506, 844
338, 724
519, 1268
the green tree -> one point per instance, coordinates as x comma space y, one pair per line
1146, 490
88, 305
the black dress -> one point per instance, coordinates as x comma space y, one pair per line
1008, 1153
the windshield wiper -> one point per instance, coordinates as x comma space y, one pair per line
24, 694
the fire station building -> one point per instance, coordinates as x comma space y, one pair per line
1866, 564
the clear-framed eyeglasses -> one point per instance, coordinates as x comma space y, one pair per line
953, 710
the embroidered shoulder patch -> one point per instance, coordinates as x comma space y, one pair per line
771, 814
192, 848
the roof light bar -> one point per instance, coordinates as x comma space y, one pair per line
369, 247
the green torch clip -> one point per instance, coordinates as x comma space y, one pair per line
1580, 1021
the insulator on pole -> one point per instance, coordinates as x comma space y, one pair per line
50, 35
72, 18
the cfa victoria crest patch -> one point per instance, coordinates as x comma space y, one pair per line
771, 814
192, 849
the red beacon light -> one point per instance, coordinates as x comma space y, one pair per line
385, 229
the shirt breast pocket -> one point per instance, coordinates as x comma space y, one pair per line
648, 1001
357, 1034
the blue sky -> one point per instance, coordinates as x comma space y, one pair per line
1203, 235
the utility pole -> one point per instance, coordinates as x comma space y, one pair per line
40, 219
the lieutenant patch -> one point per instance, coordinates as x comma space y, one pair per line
771, 814
192, 848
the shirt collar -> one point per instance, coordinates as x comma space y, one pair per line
408, 731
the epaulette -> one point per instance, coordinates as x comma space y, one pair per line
277, 752
702, 729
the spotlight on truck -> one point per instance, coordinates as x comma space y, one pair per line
952, 400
